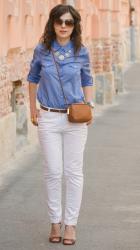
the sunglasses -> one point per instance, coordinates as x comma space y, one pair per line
67, 22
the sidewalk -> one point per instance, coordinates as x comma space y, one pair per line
110, 213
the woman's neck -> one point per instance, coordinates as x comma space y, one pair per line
62, 41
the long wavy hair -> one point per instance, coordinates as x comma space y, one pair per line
49, 35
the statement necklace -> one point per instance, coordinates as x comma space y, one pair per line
62, 56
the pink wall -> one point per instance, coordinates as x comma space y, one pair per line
22, 22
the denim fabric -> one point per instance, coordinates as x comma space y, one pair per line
74, 72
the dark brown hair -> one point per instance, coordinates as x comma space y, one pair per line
49, 33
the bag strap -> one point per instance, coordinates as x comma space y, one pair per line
59, 77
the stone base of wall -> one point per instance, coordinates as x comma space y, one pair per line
126, 46
110, 88
134, 36
100, 89
138, 45
10, 141
105, 89
7, 137
118, 78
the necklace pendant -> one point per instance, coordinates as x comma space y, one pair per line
61, 57
67, 54
57, 53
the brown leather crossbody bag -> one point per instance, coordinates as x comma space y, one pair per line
77, 112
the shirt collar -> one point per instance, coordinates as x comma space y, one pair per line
56, 46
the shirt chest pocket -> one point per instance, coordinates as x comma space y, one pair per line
50, 68
74, 68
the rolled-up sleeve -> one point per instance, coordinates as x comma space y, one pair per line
86, 76
35, 67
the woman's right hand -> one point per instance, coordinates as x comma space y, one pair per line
34, 117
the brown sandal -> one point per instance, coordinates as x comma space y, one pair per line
55, 238
69, 241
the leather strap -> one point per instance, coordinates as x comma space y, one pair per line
59, 77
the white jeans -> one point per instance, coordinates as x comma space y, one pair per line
63, 146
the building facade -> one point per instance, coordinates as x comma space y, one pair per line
111, 30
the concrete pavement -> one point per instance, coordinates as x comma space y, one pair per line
110, 213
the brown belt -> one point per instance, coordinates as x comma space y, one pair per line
54, 110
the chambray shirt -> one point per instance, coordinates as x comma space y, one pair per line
74, 72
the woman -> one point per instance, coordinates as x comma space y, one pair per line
62, 142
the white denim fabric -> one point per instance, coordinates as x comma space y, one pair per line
62, 144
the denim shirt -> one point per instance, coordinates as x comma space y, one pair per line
74, 73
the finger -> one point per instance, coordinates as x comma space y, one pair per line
34, 121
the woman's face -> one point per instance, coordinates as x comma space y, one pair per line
64, 26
